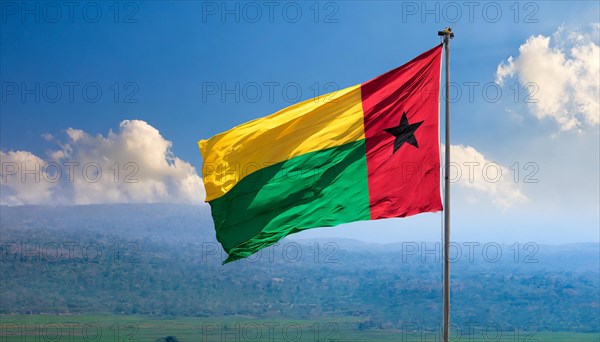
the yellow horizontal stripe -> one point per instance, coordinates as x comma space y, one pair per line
326, 121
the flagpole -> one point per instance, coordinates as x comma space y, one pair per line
447, 34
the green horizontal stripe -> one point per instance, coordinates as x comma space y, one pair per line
317, 189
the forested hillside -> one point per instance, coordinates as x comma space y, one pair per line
163, 260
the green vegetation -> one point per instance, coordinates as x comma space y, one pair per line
159, 267
140, 328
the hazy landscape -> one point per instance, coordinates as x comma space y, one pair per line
143, 272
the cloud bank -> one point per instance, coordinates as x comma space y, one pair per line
483, 178
565, 72
133, 165
136, 165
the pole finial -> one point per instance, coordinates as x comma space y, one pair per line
447, 33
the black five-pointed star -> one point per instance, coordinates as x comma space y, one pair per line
404, 132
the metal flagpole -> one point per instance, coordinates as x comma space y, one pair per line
447, 34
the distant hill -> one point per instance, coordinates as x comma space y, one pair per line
159, 259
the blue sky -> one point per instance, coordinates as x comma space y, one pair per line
160, 62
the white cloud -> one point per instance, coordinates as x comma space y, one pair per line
483, 178
566, 71
21, 179
137, 166
134, 165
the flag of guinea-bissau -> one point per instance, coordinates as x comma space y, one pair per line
366, 152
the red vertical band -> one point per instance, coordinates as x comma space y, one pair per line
405, 181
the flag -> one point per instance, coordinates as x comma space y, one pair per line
366, 152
